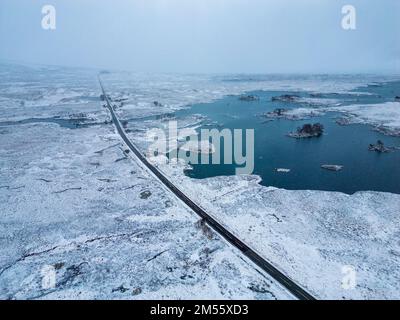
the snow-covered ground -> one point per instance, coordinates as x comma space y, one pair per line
74, 202
43, 92
311, 235
383, 116
77, 209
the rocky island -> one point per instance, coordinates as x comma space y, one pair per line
249, 98
286, 98
276, 113
380, 147
308, 131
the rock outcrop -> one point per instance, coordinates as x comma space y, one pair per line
379, 147
285, 98
276, 113
308, 131
249, 98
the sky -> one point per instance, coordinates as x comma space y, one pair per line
205, 36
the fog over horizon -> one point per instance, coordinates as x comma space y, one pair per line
205, 36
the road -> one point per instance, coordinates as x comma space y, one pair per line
284, 280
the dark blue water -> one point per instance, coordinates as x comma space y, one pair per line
342, 145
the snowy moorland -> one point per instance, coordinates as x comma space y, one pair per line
75, 202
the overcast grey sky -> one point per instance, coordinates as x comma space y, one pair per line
260, 36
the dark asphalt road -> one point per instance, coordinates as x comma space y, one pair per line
285, 281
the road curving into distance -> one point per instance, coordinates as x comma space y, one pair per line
266, 266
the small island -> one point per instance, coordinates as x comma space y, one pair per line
285, 98
308, 131
332, 167
276, 113
380, 147
249, 98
